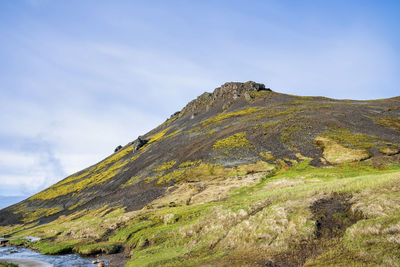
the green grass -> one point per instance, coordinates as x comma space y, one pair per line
99, 248
264, 219
18, 242
7, 264
50, 248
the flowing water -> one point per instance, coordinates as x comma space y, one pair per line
69, 260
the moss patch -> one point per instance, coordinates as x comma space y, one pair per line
236, 141
96, 175
267, 155
39, 213
165, 166
349, 139
131, 181
189, 163
390, 122
223, 116
170, 176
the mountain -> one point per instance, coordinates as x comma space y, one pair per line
237, 171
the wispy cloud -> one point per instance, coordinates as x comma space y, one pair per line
79, 78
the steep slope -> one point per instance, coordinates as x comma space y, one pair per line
220, 142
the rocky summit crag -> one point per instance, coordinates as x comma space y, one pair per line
237, 171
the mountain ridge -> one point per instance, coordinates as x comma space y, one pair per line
224, 148
256, 106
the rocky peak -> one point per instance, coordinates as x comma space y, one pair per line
227, 92
236, 89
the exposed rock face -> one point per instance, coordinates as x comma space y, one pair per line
235, 89
118, 148
228, 92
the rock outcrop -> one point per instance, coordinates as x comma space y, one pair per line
228, 92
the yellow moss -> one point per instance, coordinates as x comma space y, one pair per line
97, 175
391, 122
194, 130
101, 165
296, 103
267, 155
165, 166
130, 182
346, 138
170, 176
189, 163
20, 208
229, 143
173, 134
156, 137
150, 179
76, 205
212, 132
276, 112
258, 94
39, 213
337, 154
223, 116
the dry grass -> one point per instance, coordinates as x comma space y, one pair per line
206, 191
388, 151
338, 154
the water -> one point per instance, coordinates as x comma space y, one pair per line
58, 261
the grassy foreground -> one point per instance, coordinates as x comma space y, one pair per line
7, 264
346, 215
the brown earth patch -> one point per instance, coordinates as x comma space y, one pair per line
332, 217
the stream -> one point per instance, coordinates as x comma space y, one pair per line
68, 260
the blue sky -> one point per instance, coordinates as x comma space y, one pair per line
78, 78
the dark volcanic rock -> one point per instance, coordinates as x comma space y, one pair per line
227, 92
275, 127
140, 142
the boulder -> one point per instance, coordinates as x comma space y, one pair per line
140, 142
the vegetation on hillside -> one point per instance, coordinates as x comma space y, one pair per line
242, 176
342, 215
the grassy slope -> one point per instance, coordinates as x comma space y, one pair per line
271, 220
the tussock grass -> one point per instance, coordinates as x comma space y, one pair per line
264, 218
